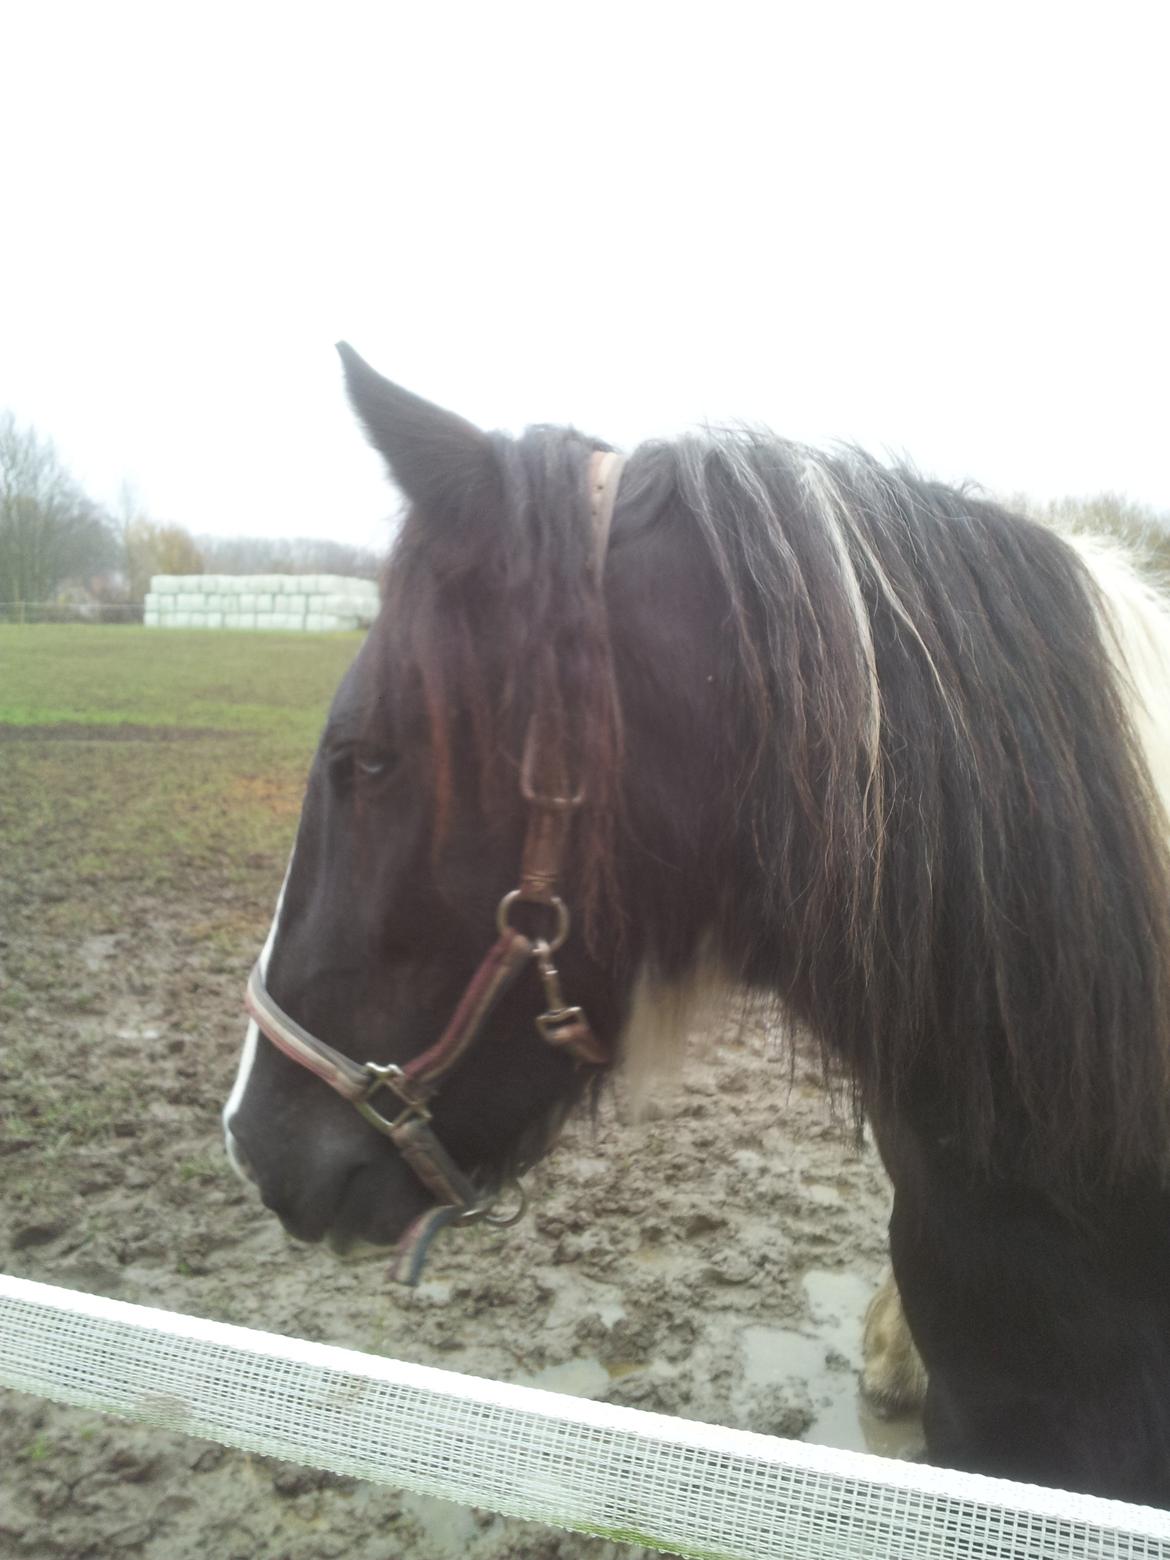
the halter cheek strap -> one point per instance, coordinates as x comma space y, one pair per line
551, 802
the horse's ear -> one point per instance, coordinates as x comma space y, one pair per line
440, 461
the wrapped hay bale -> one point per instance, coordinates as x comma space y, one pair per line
321, 603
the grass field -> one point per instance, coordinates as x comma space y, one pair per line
150, 784
143, 755
267, 684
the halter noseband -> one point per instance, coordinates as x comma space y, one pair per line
567, 1028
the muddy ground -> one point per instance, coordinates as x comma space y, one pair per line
712, 1262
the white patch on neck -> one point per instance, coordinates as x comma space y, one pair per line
252, 1037
663, 1014
1138, 637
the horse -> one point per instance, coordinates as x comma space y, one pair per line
729, 713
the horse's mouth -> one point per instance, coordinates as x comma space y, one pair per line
305, 1231
310, 1221
363, 1212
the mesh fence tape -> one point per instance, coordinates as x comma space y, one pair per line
619, 1473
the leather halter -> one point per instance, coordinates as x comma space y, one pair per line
551, 804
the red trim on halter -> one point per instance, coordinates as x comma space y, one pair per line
504, 961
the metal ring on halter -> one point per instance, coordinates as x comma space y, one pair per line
558, 906
498, 1221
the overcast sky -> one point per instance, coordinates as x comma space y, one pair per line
935, 229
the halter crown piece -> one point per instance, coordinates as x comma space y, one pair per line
551, 803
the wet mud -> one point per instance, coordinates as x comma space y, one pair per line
714, 1261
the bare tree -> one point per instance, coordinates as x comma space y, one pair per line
49, 530
287, 555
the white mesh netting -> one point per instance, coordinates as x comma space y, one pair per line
670, 1484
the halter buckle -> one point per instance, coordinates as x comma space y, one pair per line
393, 1078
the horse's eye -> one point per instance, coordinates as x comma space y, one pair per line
351, 765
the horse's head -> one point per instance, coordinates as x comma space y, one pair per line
510, 641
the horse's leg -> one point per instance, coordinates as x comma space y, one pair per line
1046, 1341
893, 1380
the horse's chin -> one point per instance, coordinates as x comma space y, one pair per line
347, 1236
362, 1209
352, 1250
374, 1208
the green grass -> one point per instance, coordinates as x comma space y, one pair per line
257, 683
147, 810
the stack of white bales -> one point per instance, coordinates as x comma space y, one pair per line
285, 601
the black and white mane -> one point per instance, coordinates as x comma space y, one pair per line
928, 750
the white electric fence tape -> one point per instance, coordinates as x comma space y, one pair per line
670, 1484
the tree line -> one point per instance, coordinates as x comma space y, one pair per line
53, 536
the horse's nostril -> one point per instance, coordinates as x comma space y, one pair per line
240, 1162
